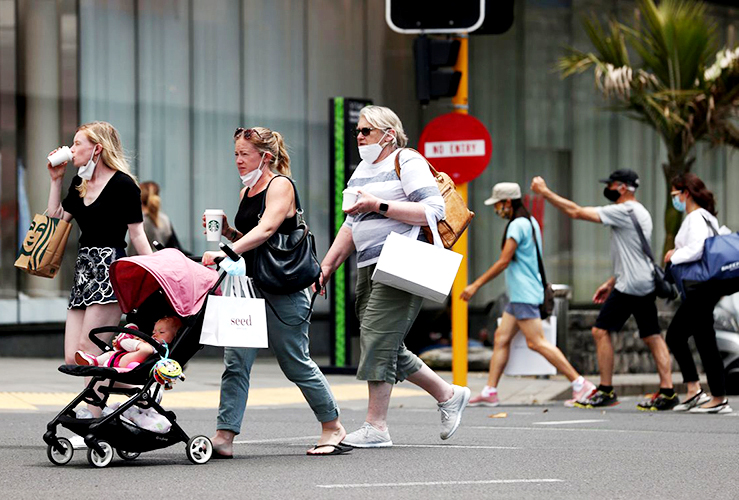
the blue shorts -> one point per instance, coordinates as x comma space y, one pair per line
519, 310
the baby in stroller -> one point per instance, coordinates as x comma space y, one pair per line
130, 351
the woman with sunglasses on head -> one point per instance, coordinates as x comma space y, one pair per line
264, 167
104, 199
387, 203
694, 317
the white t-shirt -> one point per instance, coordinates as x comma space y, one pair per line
370, 229
631, 266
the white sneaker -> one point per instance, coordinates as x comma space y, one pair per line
451, 411
78, 442
698, 400
368, 436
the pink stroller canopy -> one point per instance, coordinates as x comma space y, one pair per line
185, 282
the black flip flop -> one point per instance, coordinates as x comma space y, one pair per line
338, 449
216, 455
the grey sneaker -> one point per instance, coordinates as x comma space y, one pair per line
368, 436
451, 411
698, 400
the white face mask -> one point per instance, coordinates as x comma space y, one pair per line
88, 168
249, 179
371, 152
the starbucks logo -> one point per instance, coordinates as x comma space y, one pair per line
214, 226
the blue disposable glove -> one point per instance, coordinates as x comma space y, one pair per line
237, 268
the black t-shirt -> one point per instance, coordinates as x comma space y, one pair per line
247, 219
105, 221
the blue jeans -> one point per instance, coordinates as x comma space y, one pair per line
290, 346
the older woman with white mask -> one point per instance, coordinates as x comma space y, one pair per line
388, 203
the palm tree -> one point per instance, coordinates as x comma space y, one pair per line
682, 87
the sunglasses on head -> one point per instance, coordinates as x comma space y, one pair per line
247, 133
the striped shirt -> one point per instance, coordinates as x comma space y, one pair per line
370, 229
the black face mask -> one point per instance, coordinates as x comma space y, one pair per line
611, 194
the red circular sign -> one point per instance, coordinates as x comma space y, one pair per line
457, 144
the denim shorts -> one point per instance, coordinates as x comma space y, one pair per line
519, 310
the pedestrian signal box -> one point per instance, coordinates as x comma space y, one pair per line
434, 16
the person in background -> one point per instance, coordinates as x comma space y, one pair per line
157, 224
694, 317
525, 288
630, 291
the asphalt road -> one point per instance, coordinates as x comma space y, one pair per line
535, 451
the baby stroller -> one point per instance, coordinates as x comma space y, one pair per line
148, 288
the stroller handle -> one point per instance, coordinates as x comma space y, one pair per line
229, 251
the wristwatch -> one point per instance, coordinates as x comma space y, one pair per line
383, 208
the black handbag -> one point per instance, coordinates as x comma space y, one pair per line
286, 263
662, 287
547, 307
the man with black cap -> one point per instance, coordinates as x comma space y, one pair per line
629, 291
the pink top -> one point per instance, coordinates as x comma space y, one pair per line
185, 282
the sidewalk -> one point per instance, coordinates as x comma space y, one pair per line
34, 384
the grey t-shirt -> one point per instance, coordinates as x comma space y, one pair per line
631, 266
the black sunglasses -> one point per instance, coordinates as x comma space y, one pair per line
365, 131
247, 132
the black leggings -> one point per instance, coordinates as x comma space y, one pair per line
694, 318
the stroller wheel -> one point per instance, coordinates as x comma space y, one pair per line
128, 455
199, 449
97, 460
57, 458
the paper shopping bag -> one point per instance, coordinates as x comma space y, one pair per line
235, 319
43, 247
417, 267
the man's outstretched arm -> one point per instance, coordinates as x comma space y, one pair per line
572, 209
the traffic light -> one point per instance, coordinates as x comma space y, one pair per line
435, 76
434, 16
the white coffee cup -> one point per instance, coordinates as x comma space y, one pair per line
351, 195
213, 223
60, 156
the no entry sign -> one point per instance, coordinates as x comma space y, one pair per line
457, 144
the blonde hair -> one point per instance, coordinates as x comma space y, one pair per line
150, 200
385, 118
112, 155
267, 141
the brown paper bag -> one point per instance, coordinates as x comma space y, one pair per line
43, 247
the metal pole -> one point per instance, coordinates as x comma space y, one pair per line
460, 324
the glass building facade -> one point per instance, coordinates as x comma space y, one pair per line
176, 77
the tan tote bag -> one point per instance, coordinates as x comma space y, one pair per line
43, 247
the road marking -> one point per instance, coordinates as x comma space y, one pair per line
563, 422
471, 446
276, 440
267, 396
573, 429
439, 483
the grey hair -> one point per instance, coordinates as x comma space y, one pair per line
385, 118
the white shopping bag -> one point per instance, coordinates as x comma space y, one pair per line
524, 361
417, 267
237, 318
